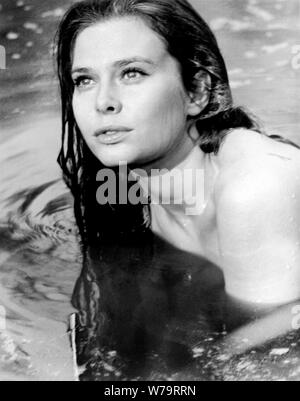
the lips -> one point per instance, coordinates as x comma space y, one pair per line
112, 130
111, 137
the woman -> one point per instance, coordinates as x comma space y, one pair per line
143, 82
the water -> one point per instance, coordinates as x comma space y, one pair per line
162, 314
165, 313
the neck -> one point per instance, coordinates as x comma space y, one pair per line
179, 189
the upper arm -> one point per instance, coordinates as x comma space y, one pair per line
258, 221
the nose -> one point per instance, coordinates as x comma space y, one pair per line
107, 101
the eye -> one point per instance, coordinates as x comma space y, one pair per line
133, 73
82, 81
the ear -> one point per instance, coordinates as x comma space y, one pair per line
199, 99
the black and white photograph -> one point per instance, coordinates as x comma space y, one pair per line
150, 193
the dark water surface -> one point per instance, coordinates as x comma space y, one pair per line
154, 313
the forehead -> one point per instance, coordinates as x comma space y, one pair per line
124, 37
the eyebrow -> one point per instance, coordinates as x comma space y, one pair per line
119, 63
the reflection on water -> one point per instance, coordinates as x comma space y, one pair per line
39, 255
39, 261
158, 313
145, 312
147, 306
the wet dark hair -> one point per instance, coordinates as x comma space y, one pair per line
189, 40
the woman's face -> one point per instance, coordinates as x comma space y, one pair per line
146, 95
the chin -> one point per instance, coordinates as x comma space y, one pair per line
114, 157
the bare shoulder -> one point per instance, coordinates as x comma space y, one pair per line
257, 197
243, 144
252, 164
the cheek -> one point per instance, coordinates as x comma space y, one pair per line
164, 107
78, 110
82, 114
